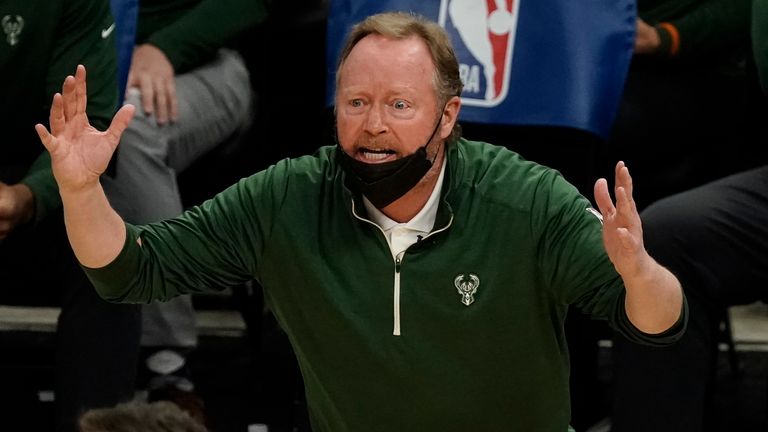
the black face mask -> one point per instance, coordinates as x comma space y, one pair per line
383, 183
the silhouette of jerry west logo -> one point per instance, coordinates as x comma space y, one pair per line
483, 33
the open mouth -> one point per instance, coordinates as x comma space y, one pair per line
375, 155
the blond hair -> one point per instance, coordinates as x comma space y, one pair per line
400, 25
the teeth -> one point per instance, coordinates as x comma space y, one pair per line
374, 156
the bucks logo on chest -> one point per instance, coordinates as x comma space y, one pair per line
467, 285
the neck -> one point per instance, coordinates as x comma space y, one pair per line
409, 205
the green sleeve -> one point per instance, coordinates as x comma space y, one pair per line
760, 40
204, 29
571, 253
78, 41
708, 27
575, 264
212, 246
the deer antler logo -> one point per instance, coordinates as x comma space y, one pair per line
467, 287
12, 26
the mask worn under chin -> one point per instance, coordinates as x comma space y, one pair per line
383, 183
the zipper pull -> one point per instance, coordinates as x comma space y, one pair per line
397, 265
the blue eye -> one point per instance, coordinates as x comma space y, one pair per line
400, 105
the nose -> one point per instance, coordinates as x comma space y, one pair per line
375, 123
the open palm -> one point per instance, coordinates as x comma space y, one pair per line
79, 152
622, 228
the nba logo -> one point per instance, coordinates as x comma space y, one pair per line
483, 34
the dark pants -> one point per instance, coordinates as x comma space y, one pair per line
96, 342
713, 238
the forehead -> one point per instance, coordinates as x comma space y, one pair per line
380, 57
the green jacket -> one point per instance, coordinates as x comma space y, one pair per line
190, 32
43, 42
464, 333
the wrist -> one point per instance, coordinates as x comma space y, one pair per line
669, 39
81, 193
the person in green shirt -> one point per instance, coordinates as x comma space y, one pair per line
97, 342
423, 279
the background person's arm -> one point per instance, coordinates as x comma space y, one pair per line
166, 49
704, 28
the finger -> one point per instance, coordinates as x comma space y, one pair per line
603, 198
161, 102
172, 101
626, 180
147, 94
622, 204
68, 93
616, 177
132, 80
45, 137
81, 90
620, 182
120, 122
56, 118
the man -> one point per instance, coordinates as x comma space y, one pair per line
96, 342
422, 279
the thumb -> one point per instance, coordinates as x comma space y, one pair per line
120, 122
45, 137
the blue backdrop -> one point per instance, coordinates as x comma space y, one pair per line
125, 13
523, 62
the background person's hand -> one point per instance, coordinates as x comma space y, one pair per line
79, 152
152, 73
647, 39
17, 206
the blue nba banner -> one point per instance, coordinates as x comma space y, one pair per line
522, 62
125, 13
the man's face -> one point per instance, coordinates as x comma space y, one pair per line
386, 104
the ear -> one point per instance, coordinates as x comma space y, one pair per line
450, 116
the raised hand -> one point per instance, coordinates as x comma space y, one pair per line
622, 230
79, 152
654, 298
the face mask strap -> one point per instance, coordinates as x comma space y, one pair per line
400, 176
